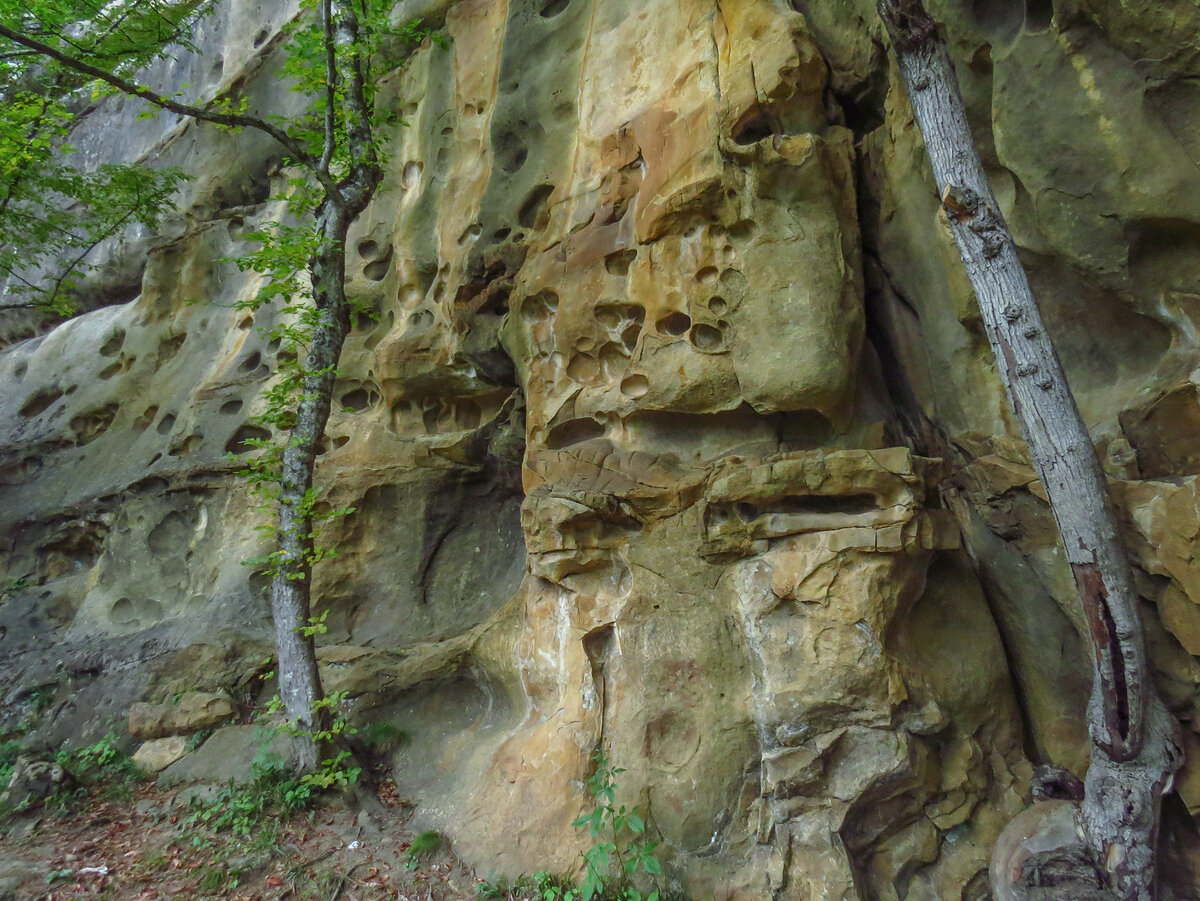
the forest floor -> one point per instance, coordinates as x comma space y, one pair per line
149, 844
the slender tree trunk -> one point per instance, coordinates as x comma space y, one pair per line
1135, 752
299, 683
299, 680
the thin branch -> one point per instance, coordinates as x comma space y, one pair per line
331, 75
229, 120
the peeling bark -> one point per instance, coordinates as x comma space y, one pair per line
1135, 752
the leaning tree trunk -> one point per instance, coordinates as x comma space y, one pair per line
299, 683
1134, 749
299, 680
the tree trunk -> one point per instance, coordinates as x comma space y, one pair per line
299, 680
1135, 752
299, 683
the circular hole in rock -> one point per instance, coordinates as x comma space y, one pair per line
585, 343
706, 337
250, 363
165, 424
554, 7
635, 385
231, 406
368, 248
583, 368
357, 400
377, 270
243, 439
501, 233
261, 38
717, 305
707, 275
675, 324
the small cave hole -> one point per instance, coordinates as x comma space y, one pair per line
368, 249
707, 337
40, 402
231, 406
357, 400
717, 305
635, 385
20, 370
674, 324
707, 275
165, 424
261, 38
573, 431
377, 270
501, 233
251, 362
533, 211
1039, 14
754, 126
828, 504
554, 7
242, 441
618, 262
113, 345
630, 336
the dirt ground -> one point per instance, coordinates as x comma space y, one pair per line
144, 848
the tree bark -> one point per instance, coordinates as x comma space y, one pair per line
299, 680
1135, 752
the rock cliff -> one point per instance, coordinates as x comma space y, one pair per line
674, 430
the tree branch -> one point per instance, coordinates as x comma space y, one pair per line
229, 120
331, 75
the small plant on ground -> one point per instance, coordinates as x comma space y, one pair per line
541, 886
425, 844
619, 853
103, 765
611, 827
248, 808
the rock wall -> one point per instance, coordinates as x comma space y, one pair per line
676, 431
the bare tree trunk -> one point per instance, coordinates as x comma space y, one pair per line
299, 680
299, 683
1135, 751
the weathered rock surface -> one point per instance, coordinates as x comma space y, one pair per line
677, 433
191, 712
160, 753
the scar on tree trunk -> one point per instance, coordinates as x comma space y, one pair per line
1103, 845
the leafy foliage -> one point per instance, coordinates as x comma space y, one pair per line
618, 837
53, 213
611, 827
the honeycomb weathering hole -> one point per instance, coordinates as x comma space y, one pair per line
635, 385
574, 431
243, 439
707, 337
40, 402
675, 324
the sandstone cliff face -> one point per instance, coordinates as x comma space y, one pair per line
677, 431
